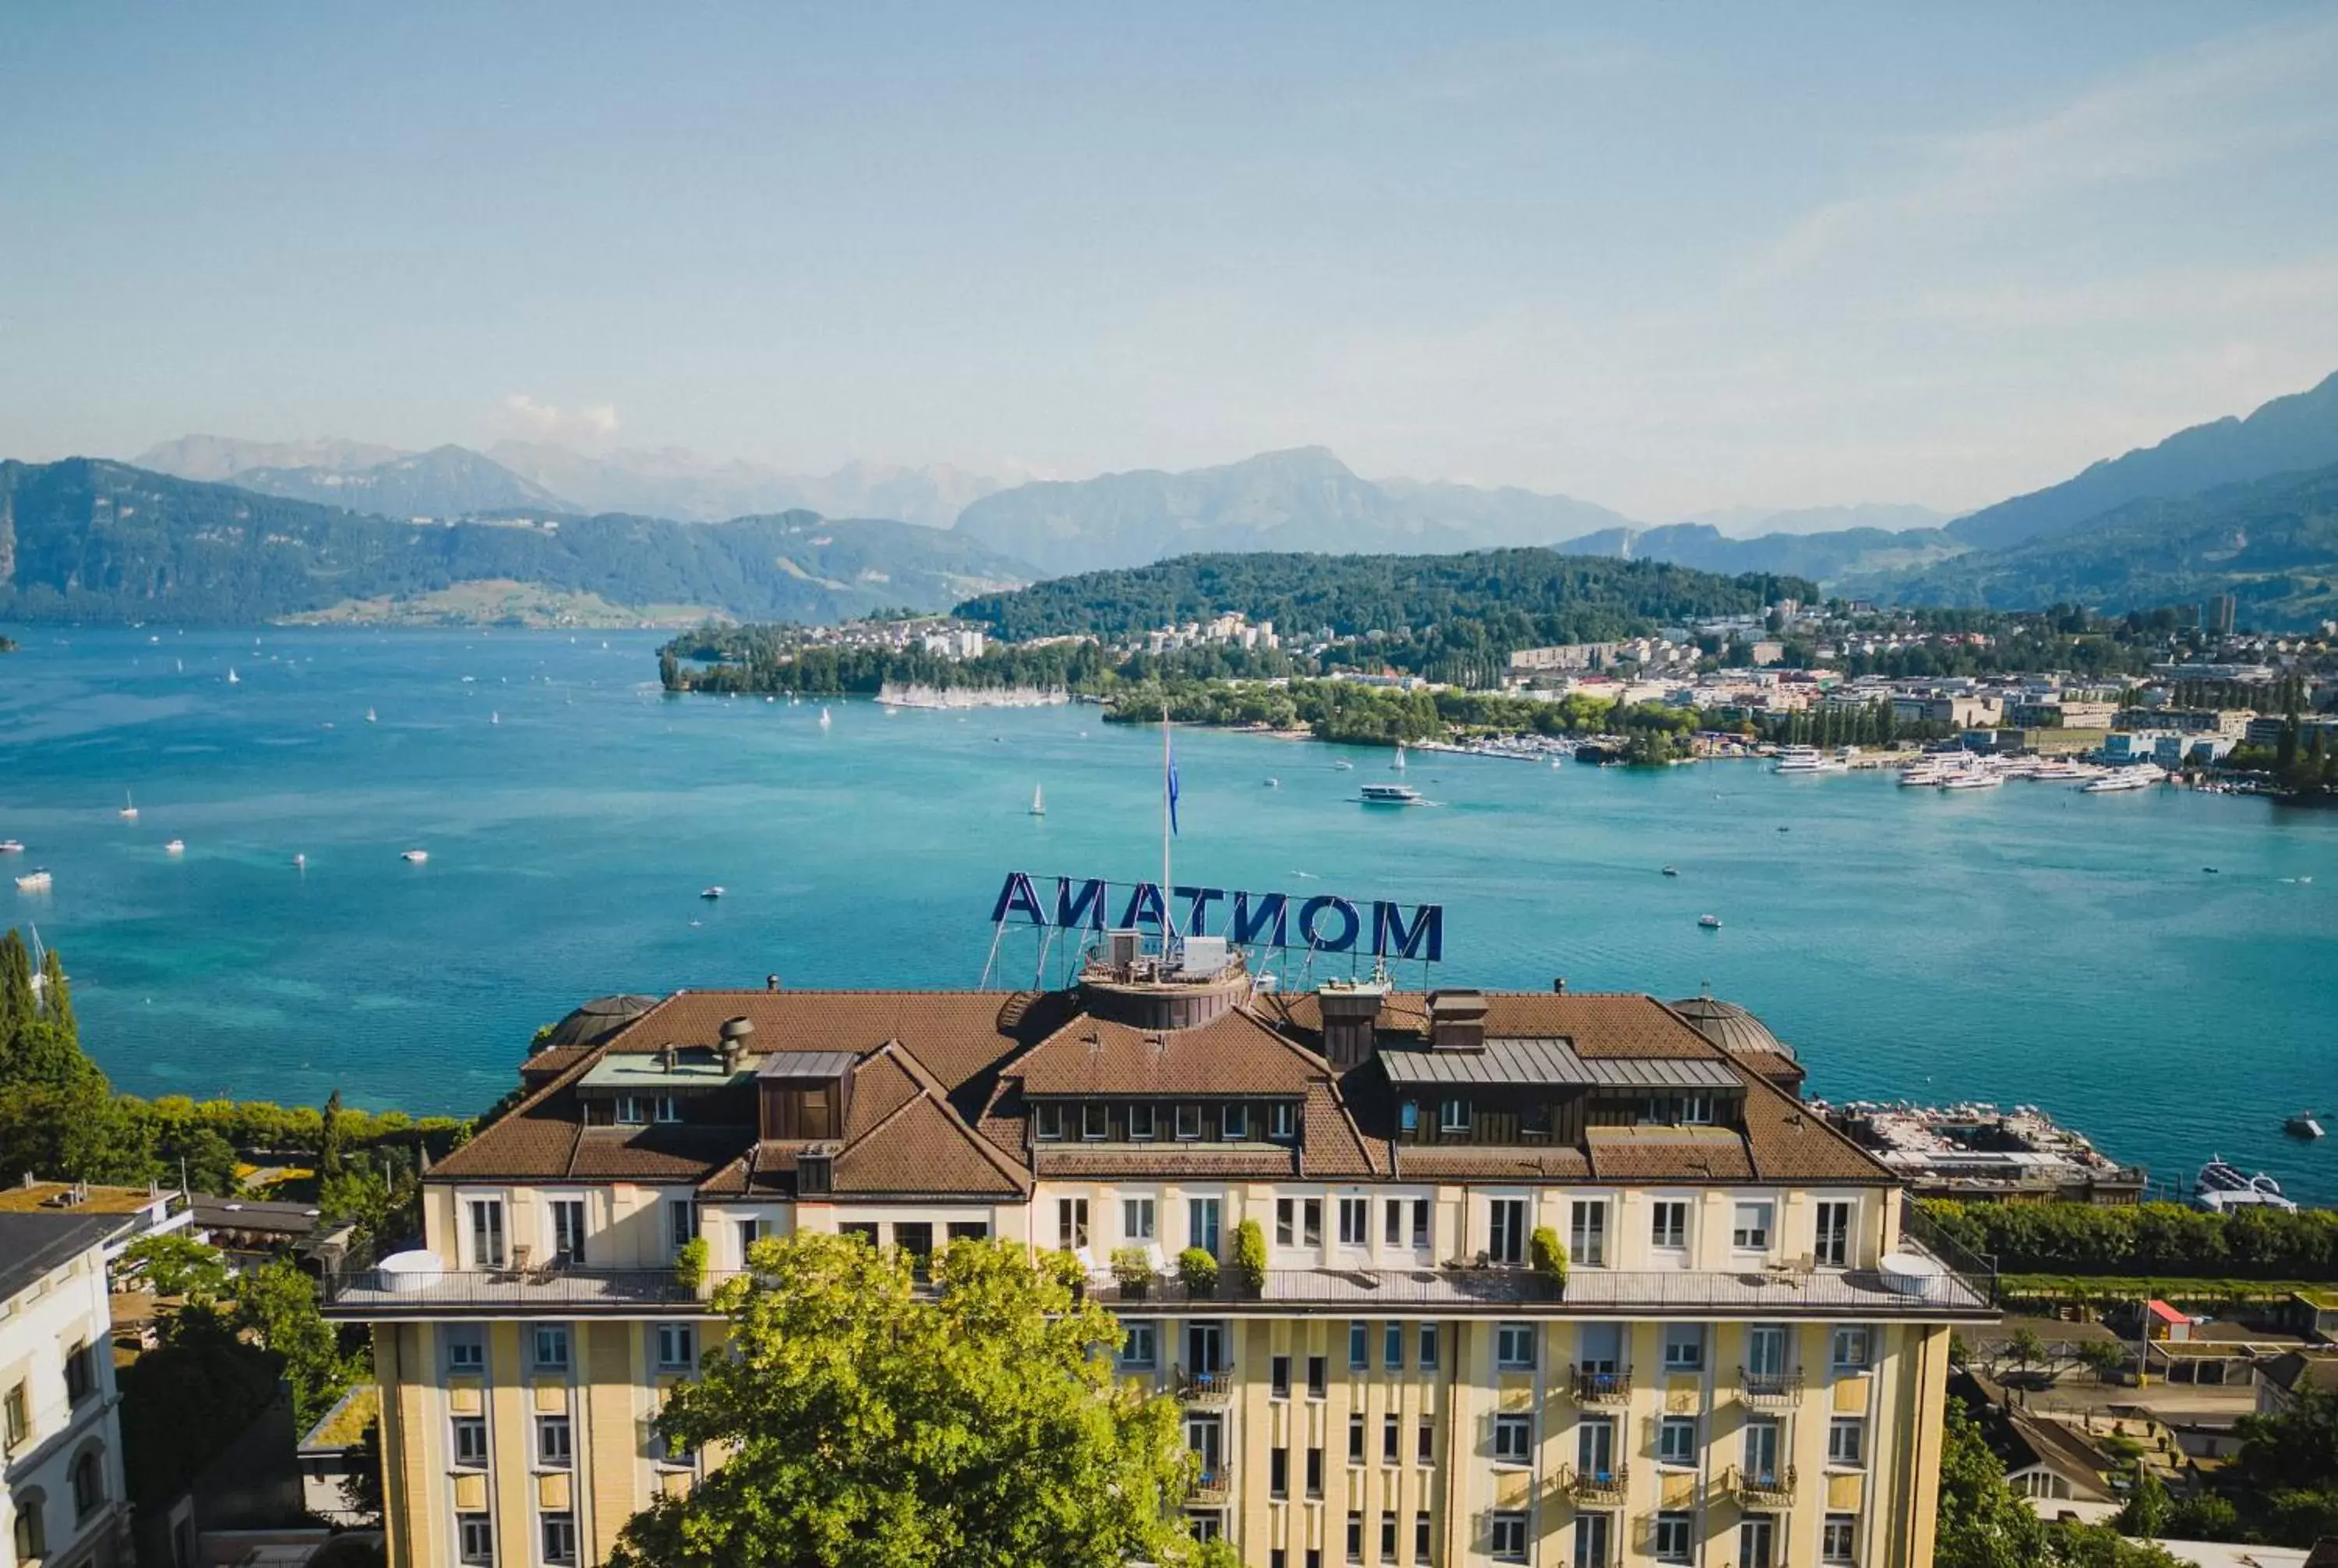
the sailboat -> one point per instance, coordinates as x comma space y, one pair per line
824, 720
1038, 801
232, 678
370, 718
1399, 764
495, 718
129, 812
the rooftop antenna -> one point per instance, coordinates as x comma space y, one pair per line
1168, 825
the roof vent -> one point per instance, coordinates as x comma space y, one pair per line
737, 1035
770, 982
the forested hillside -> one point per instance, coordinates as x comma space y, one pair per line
96, 541
1517, 597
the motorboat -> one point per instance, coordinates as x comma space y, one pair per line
1806, 760
711, 894
232, 678
1972, 778
35, 881
1710, 922
175, 847
1672, 870
415, 857
12, 847
1390, 794
2221, 1187
824, 720
301, 861
1344, 766
2124, 780
2304, 1124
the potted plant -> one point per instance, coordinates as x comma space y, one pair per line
1132, 1268
1199, 1270
1250, 1256
690, 1264
1548, 1256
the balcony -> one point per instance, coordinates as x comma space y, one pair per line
1215, 1386
1596, 1488
1763, 1491
1771, 1389
1211, 1488
1603, 1388
362, 1295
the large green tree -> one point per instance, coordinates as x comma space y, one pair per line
870, 1424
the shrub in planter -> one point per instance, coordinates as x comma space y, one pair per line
1547, 1254
690, 1264
1132, 1267
1199, 1270
1250, 1256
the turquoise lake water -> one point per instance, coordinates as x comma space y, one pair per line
2022, 945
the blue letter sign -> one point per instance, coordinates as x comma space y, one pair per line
1326, 923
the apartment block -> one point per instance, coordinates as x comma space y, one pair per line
1744, 1364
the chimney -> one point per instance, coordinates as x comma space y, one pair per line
1456, 1020
1351, 1013
737, 1035
770, 982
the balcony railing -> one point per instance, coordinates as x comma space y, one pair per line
1761, 1489
1212, 1488
1209, 1386
361, 1293
1603, 1388
1596, 1488
1919, 1233
1770, 1387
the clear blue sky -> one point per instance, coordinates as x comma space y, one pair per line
1679, 258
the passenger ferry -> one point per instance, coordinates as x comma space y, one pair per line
1806, 760
2124, 778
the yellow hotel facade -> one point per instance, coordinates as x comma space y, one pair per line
1745, 1366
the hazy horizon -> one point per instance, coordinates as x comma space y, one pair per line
1703, 262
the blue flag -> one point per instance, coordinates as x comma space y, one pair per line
1173, 791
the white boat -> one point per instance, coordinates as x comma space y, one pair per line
1275, 783
232, 678
824, 720
1344, 766
1806, 760
495, 718
1038, 801
12, 847
129, 812
175, 847
33, 882
712, 893
2124, 780
370, 718
1710, 922
301, 861
2221, 1187
415, 857
1399, 764
1973, 779
1389, 795
2304, 1124
1672, 870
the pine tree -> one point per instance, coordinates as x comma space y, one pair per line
329, 1137
18, 1006
56, 997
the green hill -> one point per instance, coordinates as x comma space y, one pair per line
90, 539
2271, 544
1513, 598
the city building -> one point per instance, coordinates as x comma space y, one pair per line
1745, 1364
2219, 612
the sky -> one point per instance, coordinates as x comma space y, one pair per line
1666, 258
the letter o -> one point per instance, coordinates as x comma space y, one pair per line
1351, 923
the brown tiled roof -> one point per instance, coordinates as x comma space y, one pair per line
1790, 1144
1463, 1163
1331, 1142
1775, 1065
533, 1140
1163, 1159
957, 1035
1667, 1154
1233, 1054
1598, 1024
923, 1148
675, 1151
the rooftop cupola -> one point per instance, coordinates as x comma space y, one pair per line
1456, 1020
1351, 1014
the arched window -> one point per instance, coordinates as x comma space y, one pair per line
31, 1535
88, 1483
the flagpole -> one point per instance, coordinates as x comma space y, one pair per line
1167, 827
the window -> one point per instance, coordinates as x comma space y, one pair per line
471, 1441
466, 1347
1318, 1376
1282, 1120
487, 1232
1513, 1439
1673, 1541
88, 1485
1668, 1226
1421, 1536
1202, 1224
1834, 1245
1359, 1344
1587, 1233
1233, 1122
866, 1230
1506, 1229
1355, 1439
1278, 1377
1838, 1538
1355, 1222
682, 1216
550, 1344
1286, 1226
560, 1538
20, 1415
1420, 1224
1847, 1441
1355, 1537
1143, 1346
81, 1374
1189, 1121
1851, 1349
1387, 1536
677, 1344
474, 1539
1392, 1347
1278, 1472
32, 1531
1315, 1472
1683, 1346
1136, 1220
1046, 1122
1392, 1440
1514, 1347
1096, 1120
1677, 1109
1407, 1116
1453, 1116
1392, 1234
1424, 1446
1140, 1124
554, 1448
970, 1230
1429, 1347
1762, 1449
1676, 1440
749, 1233
1510, 1538
1766, 1351
1751, 1231
1070, 1223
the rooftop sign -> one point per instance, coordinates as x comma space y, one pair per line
1323, 923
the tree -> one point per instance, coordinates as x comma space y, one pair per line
275, 1303
2026, 1349
181, 1266
329, 1137
2103, 1357
2149, 1506
869, 1427
1982, 1524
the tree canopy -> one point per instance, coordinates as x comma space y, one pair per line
873, 1422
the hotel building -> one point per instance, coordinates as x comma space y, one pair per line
1745, 1366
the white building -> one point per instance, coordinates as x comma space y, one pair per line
61, 1495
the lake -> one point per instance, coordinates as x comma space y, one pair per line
2022, 945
